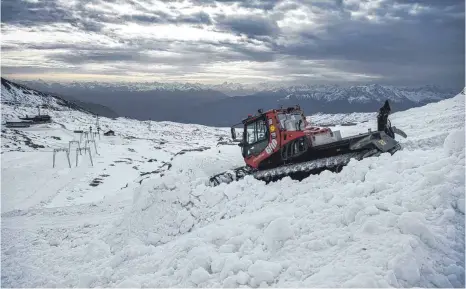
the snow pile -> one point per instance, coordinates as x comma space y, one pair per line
393, 221
388, 221
321, 119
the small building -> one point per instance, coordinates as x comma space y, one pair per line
110, 133
18, 124
38, 118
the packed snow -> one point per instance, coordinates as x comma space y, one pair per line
149, 220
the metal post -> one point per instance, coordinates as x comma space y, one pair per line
95, 146
78, 149
54, 152
62, 150
90, 156
68, 157
73, 141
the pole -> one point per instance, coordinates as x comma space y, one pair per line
68, 157
90, 156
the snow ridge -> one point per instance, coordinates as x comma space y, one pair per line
19, 95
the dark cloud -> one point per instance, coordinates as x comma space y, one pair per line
100, 57
159, 17
432, 3
396, 41
31, 14
251, 4
196, 18
422, 47
251, 26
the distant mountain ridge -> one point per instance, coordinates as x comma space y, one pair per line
227, 103
238, 89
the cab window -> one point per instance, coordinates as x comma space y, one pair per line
256, 137
290, 121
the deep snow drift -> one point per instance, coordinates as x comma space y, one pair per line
389, 221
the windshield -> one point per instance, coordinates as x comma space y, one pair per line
256, 138
290, 121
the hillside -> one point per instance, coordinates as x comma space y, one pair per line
220, 105
141, 216
21, 95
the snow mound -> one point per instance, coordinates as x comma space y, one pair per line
391, 221
454, 142
388, 221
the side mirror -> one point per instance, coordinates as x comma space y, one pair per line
233, 133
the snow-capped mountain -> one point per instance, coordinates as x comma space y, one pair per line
368, 93
226, 103
361, 93
141, 215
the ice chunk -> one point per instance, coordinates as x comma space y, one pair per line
128, 283
199, 275
413, 223
97, 250
454, 142
264, 271
242, 278
317, 245
460, 205
362, 280
406, 268
371, 227
350, 213
278, 230
230, 282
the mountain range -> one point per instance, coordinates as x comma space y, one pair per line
228, 103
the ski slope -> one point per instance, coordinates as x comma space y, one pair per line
390, 221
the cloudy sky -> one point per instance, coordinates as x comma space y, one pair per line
400, 42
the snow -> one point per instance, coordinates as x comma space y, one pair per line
391, 221
320, 119
360, 93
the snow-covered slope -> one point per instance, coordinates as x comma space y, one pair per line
143, 217
19, 95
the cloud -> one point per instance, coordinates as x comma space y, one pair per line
400, 42
33, 13
250, 25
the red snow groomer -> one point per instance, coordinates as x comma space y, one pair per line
281, 142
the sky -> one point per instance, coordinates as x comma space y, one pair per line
396, 42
